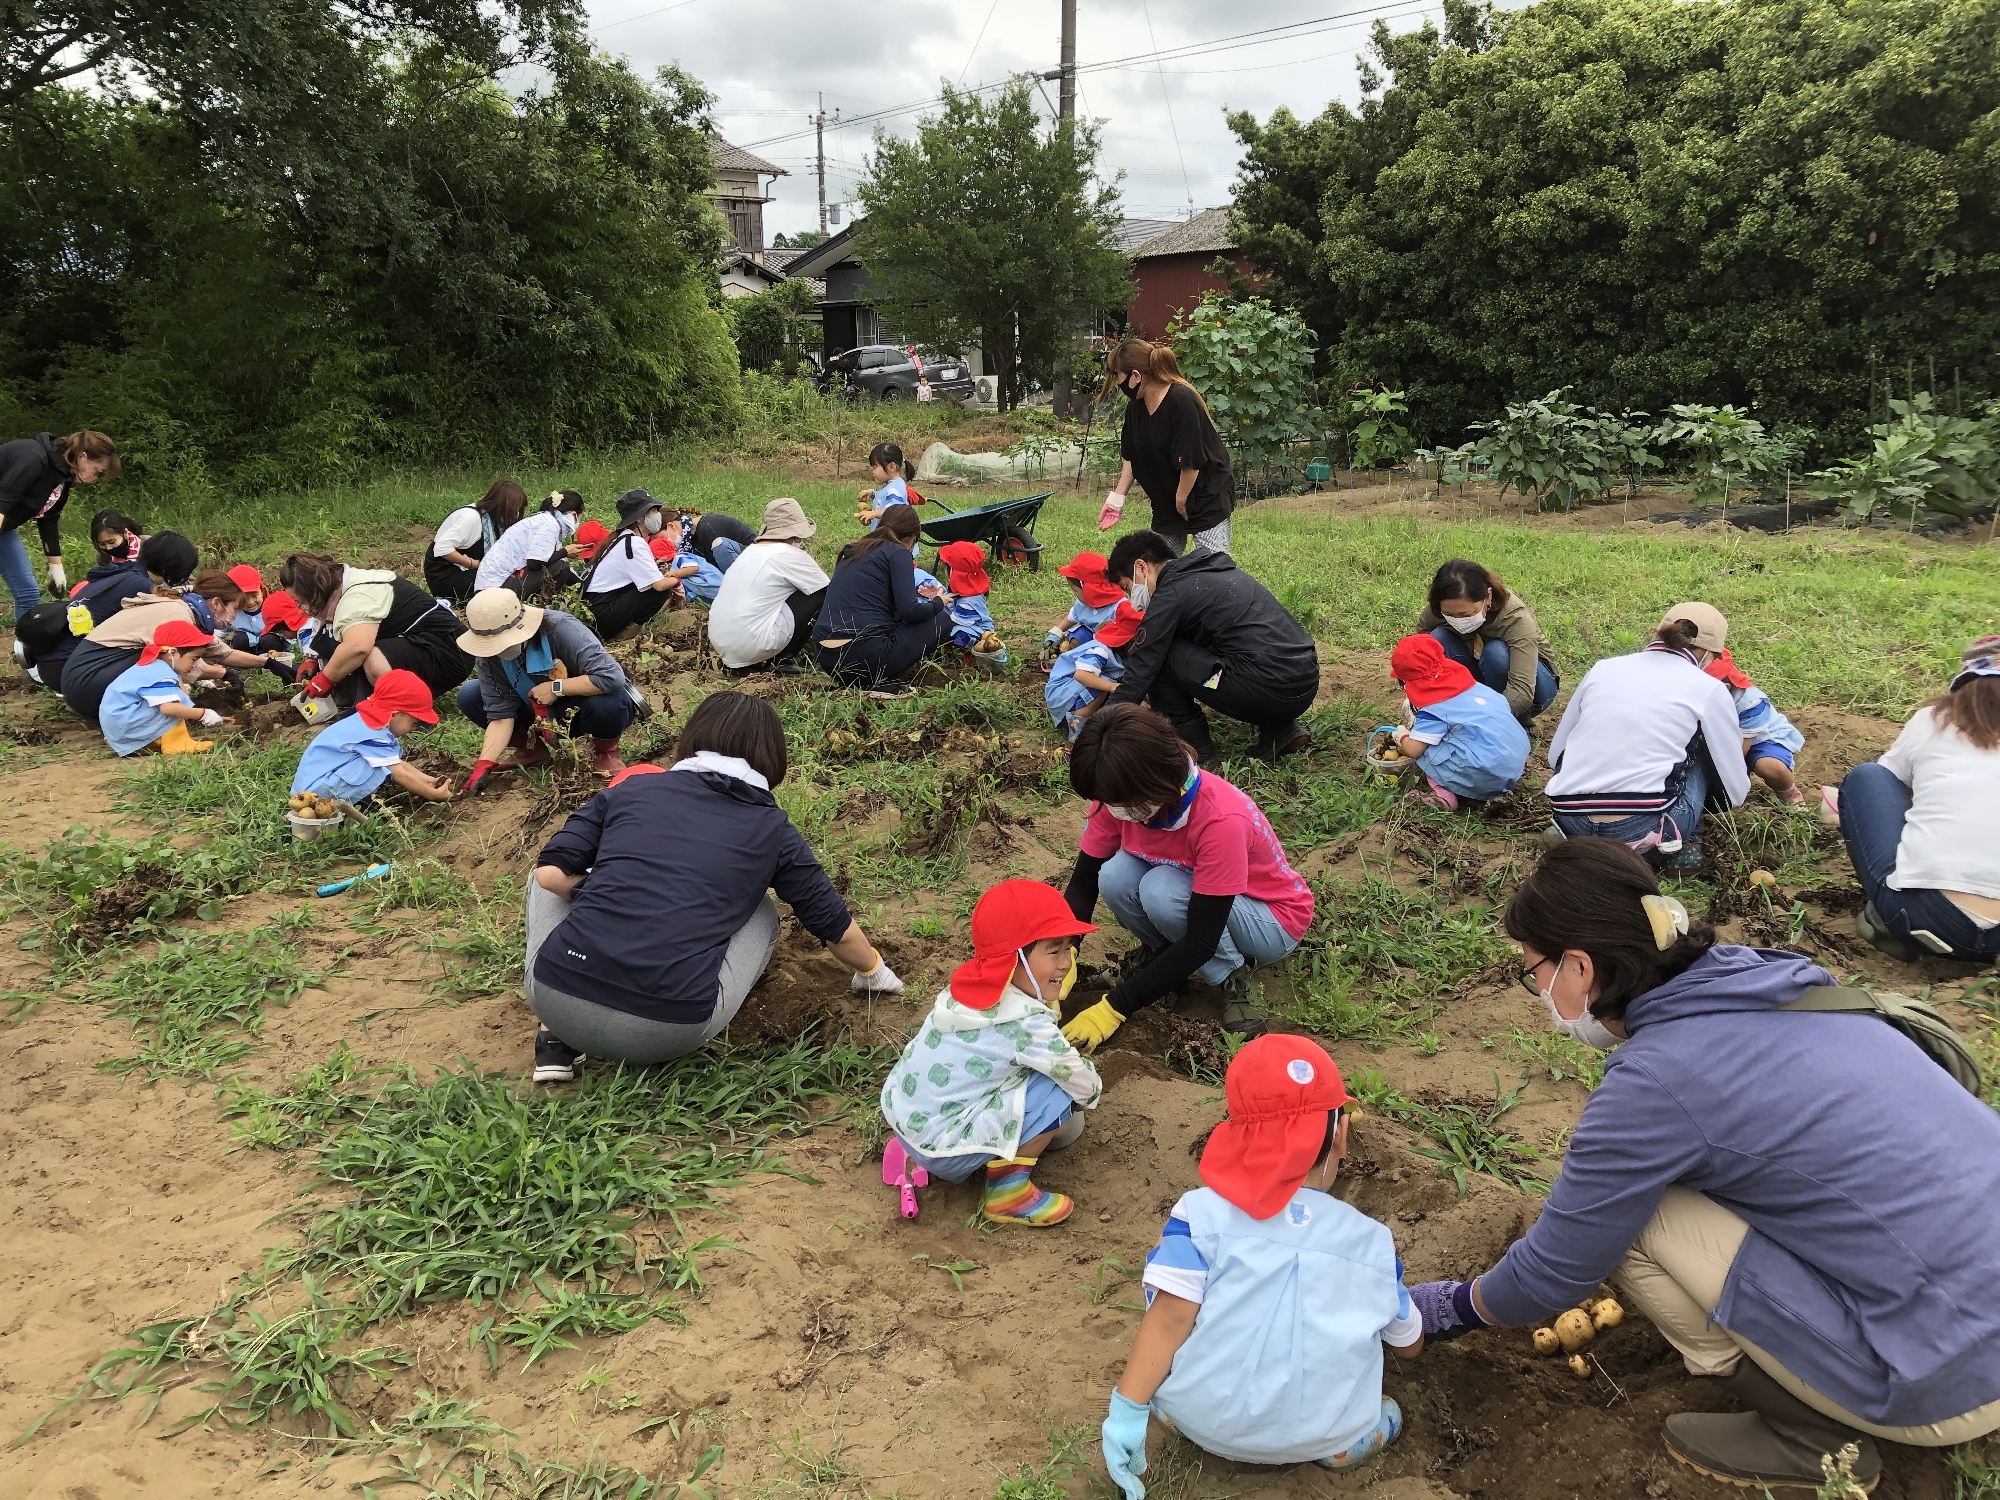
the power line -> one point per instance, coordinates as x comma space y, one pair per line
978, 39
645, 15
1146, 10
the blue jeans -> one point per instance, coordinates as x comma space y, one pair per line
1873, 808
603, 717
726, 552
1490, 666
17, 572
1682, 815
1151, 902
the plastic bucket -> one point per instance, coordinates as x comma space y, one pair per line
305, 830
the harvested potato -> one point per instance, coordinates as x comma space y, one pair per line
1763, 878
1392, 755
1607, 1314
1574, 1329
1577, 1365
1546, 1341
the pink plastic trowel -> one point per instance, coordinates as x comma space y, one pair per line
900, 1173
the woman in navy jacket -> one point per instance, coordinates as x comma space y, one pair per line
35, 476
649, 913
876, 622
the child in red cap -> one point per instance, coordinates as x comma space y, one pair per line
1097, 601
971, 620
1771, 742
1462, 734
1268, 1299
1085, 675
147, 704
988, 1081
353, 756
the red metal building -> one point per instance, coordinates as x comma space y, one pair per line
1171, 270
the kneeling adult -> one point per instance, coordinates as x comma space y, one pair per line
1922, 824
208, 604
373, 621
638, 953
1827, 1260
1213, 635
877, 621
538, 667
45, 637
451, 562
763, 614
1187, 863
626, 586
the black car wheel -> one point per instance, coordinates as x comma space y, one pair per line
891, 393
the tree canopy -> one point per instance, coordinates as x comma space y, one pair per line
1649, 201
989, 229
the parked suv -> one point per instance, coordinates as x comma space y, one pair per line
889, 372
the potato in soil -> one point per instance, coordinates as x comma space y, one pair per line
1574, 1329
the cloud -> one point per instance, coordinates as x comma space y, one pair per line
770, 61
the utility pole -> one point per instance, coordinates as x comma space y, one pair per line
819, 153
1061, 396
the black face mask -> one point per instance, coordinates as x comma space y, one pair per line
1129, 390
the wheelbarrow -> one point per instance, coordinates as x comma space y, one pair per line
1007, 527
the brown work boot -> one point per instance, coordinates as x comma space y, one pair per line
526, 747
606, 761
1779, 1444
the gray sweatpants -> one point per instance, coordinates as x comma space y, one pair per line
618, 1036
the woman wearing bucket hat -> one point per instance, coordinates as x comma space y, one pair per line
372, 621
650, 914
1922, 824
626, 587
989, 1082
538, 670
1268, 1300
764, 612
1800, 1200
1187, 863
1648, 741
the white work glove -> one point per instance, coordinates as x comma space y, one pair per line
880, 980
210, 718
58, 579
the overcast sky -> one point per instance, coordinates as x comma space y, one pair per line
769, 61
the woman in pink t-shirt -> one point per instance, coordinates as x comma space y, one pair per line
1187, 863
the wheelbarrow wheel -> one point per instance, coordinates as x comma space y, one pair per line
1015, 548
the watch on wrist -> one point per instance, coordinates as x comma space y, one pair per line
555, 686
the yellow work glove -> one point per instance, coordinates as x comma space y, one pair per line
1090, 1029
1069, 976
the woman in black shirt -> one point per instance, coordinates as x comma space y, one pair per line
876, 622
1170, 446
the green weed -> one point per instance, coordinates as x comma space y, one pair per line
486, 954
1558, 1055
1465, 1138
314, 1102
818, 1475
926, 925
589, 1312
198, 1005
1376, 959
1975, 1471
1049, 1479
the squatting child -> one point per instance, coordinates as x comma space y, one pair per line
971, 620
988, 1083
1268, 1299
1465, 738
1097, 600
352, 757
147, 704
1084, 676
1771, 742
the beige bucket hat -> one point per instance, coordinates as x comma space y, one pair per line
496, 619
786, 521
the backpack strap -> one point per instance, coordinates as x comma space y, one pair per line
1921, 1022
1836, 997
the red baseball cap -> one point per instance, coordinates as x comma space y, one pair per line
1428, 676
968, 568
1121, 627
1010, 916
1723, 668
1279, 1089
281, 609
398, 692
1092, 573
247, 578
590, 536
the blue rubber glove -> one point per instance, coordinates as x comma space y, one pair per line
1125, 1444
1447, 1309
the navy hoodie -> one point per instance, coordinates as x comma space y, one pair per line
1870, 1181
675, 863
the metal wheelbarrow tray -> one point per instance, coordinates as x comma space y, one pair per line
1007, 526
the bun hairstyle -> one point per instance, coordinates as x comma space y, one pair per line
889, 456
218, 587
898, 524
1462, 578
567, 502
1679, 634
1129, 755
1590, 894
312, 578
1155, 361
505, 501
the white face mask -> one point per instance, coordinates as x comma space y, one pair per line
509, 653
1142, 592
1586, 1028
1466, 624
568, 522
1131, 814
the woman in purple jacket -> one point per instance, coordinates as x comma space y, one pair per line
1806, 1189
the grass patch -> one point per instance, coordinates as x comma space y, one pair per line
1466, 1139
1557, 1055
486, 954
1049, 1480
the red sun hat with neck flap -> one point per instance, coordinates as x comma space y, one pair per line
1118, 631
1428, 676
179, 635
590, 536
398, 692
968, 568
1723, 669
281, 611
1091, 572
1007, 919
1280, 1089
247, 578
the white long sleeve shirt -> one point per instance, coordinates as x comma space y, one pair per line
1630, 722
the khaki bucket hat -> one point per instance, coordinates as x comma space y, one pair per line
496, 619
786, 521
